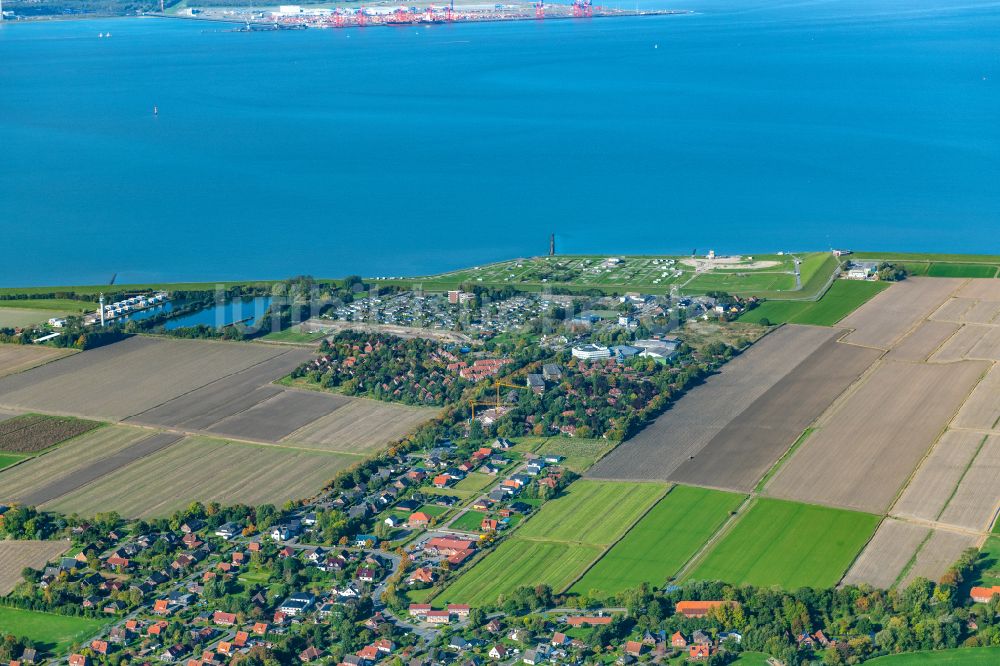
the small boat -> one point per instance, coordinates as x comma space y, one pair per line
100, 35
156, 111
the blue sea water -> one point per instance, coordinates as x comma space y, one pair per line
745, 126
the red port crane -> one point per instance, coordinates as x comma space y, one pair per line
540, 9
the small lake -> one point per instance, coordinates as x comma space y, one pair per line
248, 311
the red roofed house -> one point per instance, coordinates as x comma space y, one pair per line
634, 648
698, 652
461, 610
100, 647
421, 575
488, 525
224, 619
369, 653
448, 546
310, 654
442, 480
161, 606
78, 660
241, 639
418, 519
419, 609
678, 640
260, 628
438, 617
698, 608
983, 595
460, 556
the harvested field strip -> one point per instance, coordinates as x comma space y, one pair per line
739, 456
880, 433
982, 312
17, 358
95, 470
788, 544
889, 316
517, 563
15, 555
923, 341
62, 462
571, 517
936, 555
953, 310
927, 494
205, 406
975, 501
279, 416
690, 424
101, 383
32, 433
959, 345
660, 544
207, 470
983, 290
887, 554
988, 346
982, 410
361, 426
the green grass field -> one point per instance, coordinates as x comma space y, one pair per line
579, 454
962, 270
515, 563
788, 544
592, 512
843, 298
475, 482
293, 334
982, 656
63, 305
468, 521
659, 545
988, 565
8, 459
17, 318
433, 510
53, 633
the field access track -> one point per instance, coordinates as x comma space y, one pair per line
739, 456
885, 319
705, 411
879, 433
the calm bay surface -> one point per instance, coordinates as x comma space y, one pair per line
744, 126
